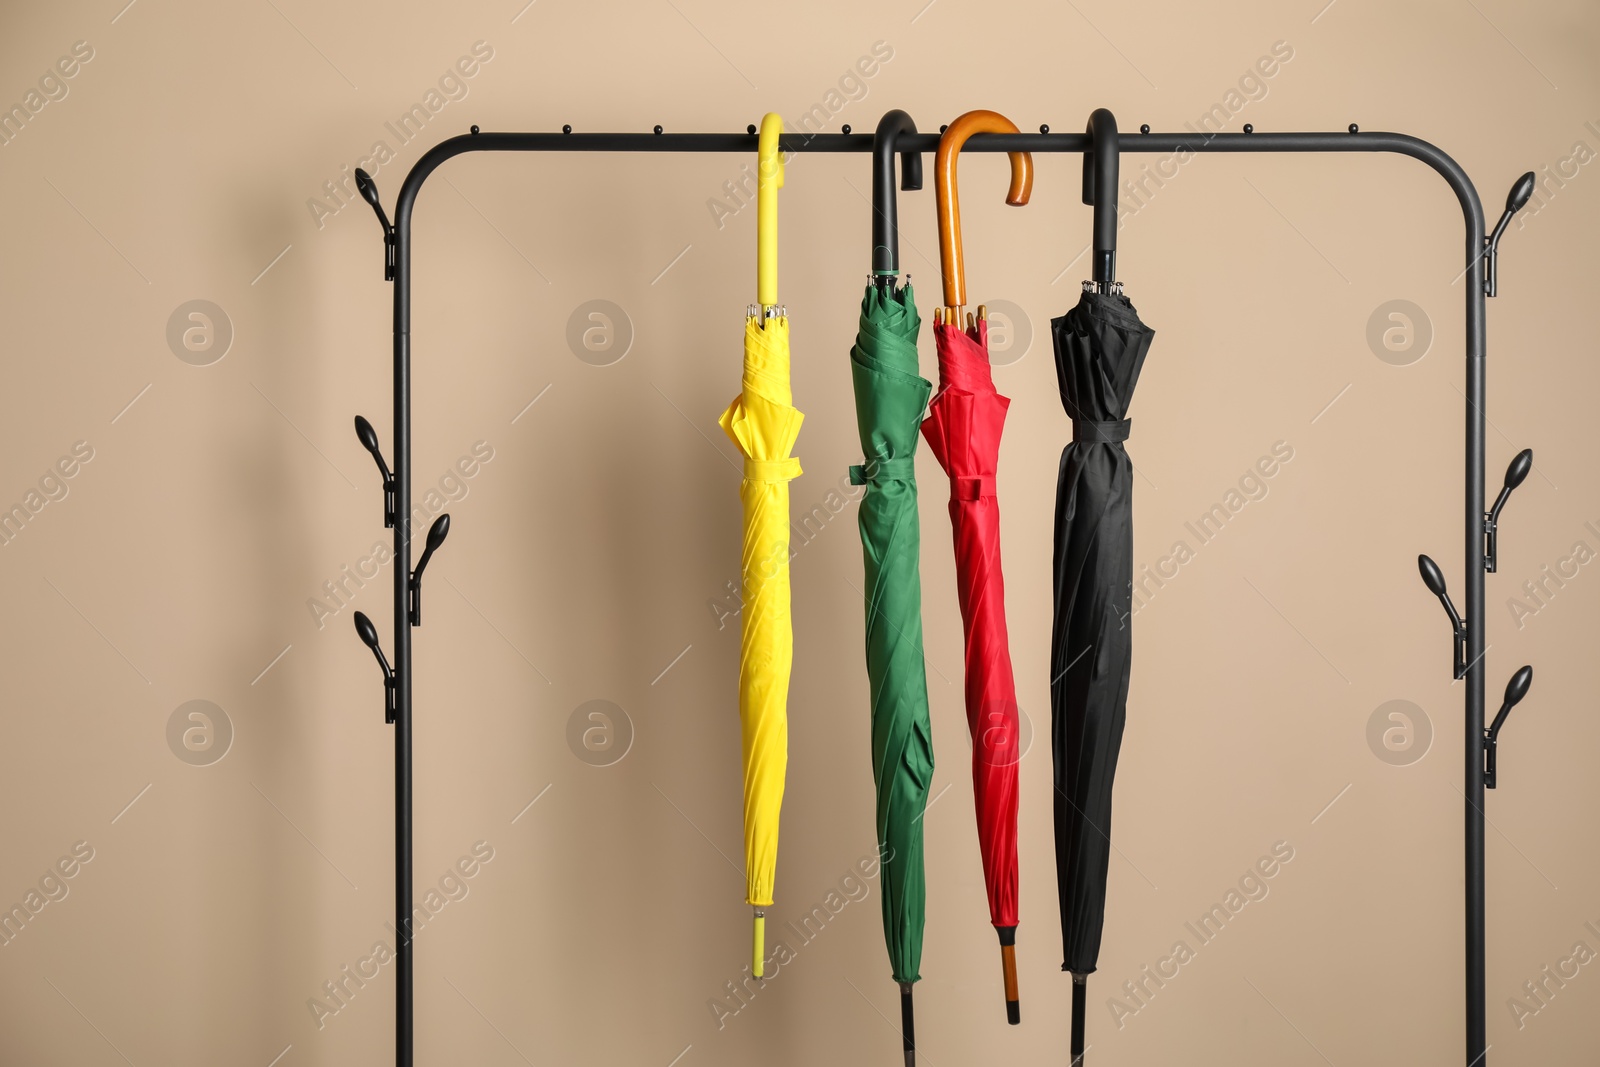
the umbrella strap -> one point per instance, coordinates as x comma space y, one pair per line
877, 471
1085, 432
771, 470
971, 487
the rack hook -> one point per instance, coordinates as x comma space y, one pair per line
1516, 689
369, 637
369, 440
369, 193
436, 535
1433, 578
885, 221
1515, 201
1515, 473
1100, 164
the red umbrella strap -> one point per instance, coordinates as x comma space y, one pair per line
973, 487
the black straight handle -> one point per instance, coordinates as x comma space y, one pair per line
885, 221
1100, 166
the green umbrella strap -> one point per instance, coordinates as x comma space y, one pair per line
879, 471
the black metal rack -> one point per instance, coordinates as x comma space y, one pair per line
1480, 526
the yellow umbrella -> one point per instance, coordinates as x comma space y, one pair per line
763, 422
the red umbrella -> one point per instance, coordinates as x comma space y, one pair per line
963, 430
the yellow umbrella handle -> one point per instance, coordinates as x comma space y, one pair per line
769, 179
950, 261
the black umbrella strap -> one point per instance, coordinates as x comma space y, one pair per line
1085, 432
880, 471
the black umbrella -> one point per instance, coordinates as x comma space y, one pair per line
1100, 347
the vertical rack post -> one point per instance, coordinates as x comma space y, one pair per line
1476, 989
404, 956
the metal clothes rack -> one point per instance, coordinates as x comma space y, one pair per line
1479, 526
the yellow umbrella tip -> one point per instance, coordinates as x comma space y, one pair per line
758, 937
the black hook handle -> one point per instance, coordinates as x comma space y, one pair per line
1433, 578
1516, 474
436, 535
369, 192
1516, 200
369, 441
1100, 164
1516, 689
885, 220
369, 637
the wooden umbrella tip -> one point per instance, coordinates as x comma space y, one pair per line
1008, 968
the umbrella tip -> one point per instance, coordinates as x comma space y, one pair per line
758, 936
1008, 972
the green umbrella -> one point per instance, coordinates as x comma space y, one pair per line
890, 399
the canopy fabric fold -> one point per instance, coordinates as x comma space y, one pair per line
890, 397
1100, 348
963, 428
764, 423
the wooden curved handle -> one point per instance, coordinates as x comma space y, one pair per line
950, 264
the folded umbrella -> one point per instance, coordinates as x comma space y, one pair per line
1100, 347
963, 430
763, 422
890, 397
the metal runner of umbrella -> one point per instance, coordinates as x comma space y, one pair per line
890, 397
963, 430
763, 422
1100, 347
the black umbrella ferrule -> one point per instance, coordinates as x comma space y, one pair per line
1100, 165
908, 1027
885, 221
1080, 1005
1520, 193
1515, 473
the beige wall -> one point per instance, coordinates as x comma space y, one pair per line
589, 550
